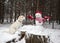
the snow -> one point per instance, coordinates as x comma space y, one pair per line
56, 26
4, 37
39, 30
31, 29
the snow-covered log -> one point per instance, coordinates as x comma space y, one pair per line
31, 32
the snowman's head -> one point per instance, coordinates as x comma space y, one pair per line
38, 14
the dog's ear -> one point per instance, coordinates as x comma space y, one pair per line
19, 17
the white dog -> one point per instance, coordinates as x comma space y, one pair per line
14, 27
17, 24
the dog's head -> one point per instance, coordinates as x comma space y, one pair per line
21, 18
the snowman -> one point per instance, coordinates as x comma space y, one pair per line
39, 19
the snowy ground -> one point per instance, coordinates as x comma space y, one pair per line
36, 30
56, 26
4, 37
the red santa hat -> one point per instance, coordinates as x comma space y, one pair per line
38, 12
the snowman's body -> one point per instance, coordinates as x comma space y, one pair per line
39, 21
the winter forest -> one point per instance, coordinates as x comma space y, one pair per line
29, 21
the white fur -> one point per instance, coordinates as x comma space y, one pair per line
14, 27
